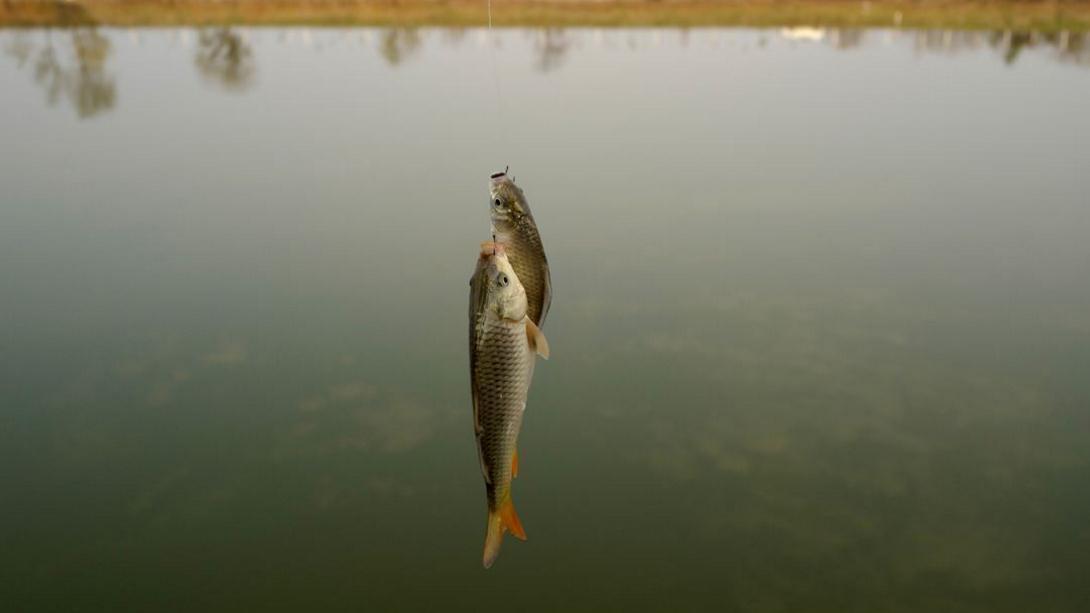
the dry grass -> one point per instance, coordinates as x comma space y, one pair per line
1045, 16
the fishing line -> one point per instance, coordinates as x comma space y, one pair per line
501, 139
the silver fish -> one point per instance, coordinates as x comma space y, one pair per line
502, 343
513, 225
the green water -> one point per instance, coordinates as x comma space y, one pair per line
820, 331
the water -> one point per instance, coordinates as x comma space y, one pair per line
821, 327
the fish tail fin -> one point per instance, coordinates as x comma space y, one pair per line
500, 520
511, 519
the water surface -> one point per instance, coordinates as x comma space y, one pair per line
821, 326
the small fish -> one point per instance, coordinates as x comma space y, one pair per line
502, 343
514, 226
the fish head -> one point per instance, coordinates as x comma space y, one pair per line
505, 294
507, 203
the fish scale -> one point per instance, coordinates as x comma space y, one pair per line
503, 374
503, 341
521, 245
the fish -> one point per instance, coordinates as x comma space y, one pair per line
513, 225
503, 341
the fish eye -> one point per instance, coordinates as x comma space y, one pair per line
503, 280
497, 202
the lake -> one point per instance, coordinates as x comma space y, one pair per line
820, 330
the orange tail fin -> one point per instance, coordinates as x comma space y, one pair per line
503, 519
511, 519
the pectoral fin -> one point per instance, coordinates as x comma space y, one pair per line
537, 339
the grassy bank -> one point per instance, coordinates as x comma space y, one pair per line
1045, 16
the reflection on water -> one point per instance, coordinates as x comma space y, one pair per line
552, 45
1064, 46
75, 72
225, 57
72, 68
399, 44
821, 338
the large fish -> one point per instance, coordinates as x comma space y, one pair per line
502, 344
514, 226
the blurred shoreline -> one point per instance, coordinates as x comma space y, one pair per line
1041, 16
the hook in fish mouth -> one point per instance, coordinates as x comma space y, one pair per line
497, 175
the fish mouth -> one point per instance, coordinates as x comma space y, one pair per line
499, 176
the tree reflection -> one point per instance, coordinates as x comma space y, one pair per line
83, 82
1010, 44
93, 90
49, 74
552, 46
69, 61
398, 44
454, 35
21, 48
1072, 48
848, 38
224, 58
